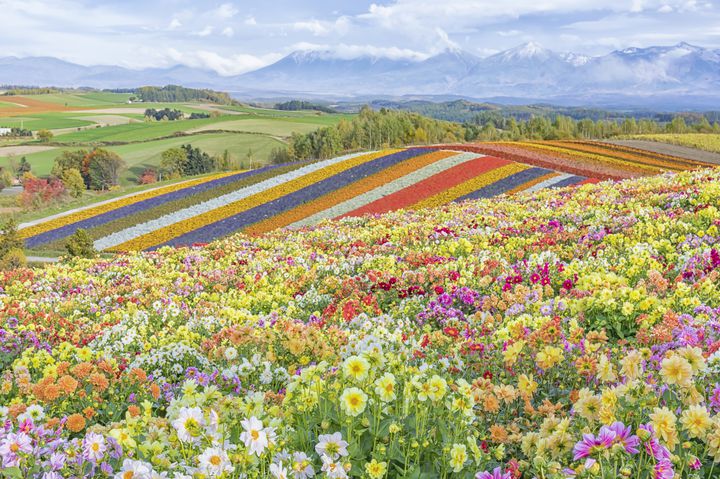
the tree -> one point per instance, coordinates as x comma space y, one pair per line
104, 169
24, 167
279, 156
80, 245
6, 178
198, 162
73, 181
72, 159
45, 135
148, 177
172, 164
9, 238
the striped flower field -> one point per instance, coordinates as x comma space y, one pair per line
302, 194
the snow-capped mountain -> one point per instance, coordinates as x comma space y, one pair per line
682, 72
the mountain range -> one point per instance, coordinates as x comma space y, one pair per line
681, 74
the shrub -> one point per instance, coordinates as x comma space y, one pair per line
45, 135
104, 169
74, 182
80, 245
40, 192
280, 155
9, 238
148, 177
15, 258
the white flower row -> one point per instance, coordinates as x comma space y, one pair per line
387, 189
141, 229
547, 183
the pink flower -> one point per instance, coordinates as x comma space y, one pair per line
593, 444
496, 474
663, 470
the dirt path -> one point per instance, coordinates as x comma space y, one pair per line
23, 150
670, 149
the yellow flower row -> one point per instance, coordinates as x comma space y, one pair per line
113, 205
166, 233
469, 186
592, 156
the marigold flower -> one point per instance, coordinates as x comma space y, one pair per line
75, 422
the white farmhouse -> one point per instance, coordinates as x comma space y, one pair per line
5, 131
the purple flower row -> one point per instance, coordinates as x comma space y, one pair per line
236, 222
127, 210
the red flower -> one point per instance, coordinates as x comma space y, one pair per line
452, 332
439, 290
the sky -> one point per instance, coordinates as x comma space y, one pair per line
233, 37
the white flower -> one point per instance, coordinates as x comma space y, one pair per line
189, 424
94, 446
215, 462
332, 469
302, 466
254, 435
230, 353
331, 445
278, 471
134, 470
35, 413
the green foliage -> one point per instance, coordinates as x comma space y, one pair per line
298, 105
280, 155
174, 93
103, 169
80, 244
173, 162
24, 167
15, 258
9, 239
164, 114
73, 181
6, 178
45, 135
372, 130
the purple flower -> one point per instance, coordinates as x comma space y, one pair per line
623, 436
496, 474
663, 470
590, 445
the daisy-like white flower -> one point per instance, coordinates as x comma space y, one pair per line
333, 469
34, 413
278, 471
331, 445
189, 424
94, 447
214, 462
132, 469
302, 466
254, 435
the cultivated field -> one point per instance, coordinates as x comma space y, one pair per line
106, 119
304, 194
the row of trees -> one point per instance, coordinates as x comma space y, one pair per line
97, 169
564, 127
175, 93
297, 105
374, 129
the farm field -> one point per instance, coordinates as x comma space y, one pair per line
298, 195
701, 141
568, 332
86, 120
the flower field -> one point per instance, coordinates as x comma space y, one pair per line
559, 333
293, 195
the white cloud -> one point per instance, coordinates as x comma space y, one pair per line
205, 31
228, 32
224, 65
174, 24
226, 10
665, 9
347, 51
250, 21
509, 33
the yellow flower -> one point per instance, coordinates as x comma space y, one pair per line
589, 407
605, 371
713, 440
527, 384
356, 367
512, 352
353, 401
694, 356
385, 387
631, 365
549, 357
458, 456
376, 469
676, 370
663, 421
696, 421
438, 388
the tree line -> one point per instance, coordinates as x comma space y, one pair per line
175, 93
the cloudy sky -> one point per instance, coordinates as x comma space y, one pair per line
232, 37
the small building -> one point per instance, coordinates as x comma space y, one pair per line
5, 131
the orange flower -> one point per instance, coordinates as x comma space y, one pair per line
138, 375
89, 412
134, 410
16, 409
99, 381
82, 370
490, 403
155, 390
63, 367
52, 392
498, 433
76, 422
68, 384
